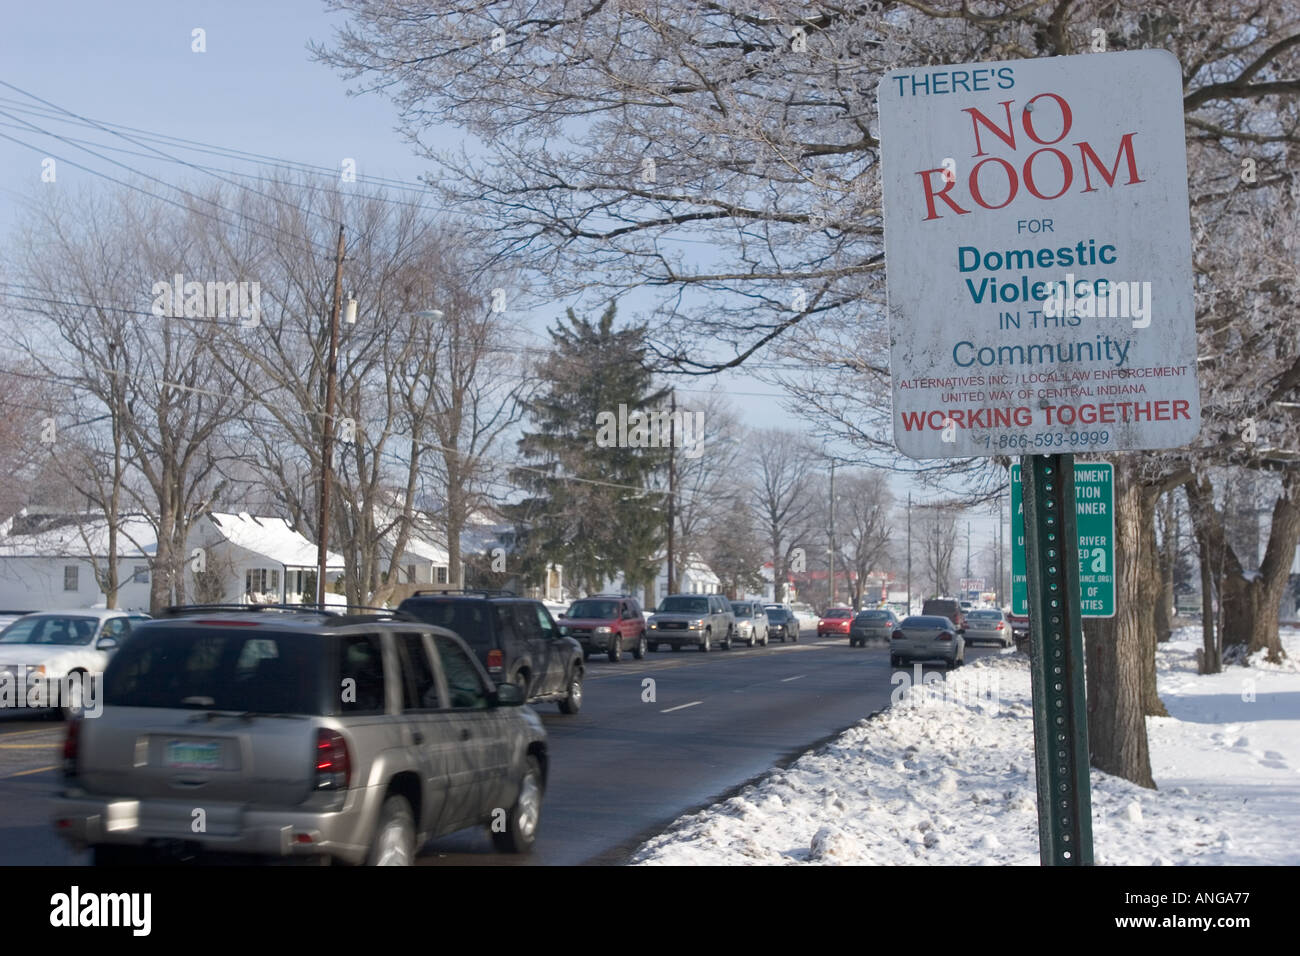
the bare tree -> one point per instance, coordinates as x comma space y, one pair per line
782, 501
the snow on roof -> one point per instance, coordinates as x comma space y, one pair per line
74, 536
424, 541
271, 538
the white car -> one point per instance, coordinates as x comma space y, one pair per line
806, 616
52, 645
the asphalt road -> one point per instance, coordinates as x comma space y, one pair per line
621, 770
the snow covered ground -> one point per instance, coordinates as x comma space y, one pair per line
946, 776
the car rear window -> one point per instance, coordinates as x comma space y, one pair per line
985, 615
219, 668
467, 619
837, 612
874, 616
922, 623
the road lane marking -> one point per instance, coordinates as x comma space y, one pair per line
784, 679
681, 707
24, 773
49, 746
19, 733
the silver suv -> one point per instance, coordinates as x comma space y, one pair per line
698, 620
284, 732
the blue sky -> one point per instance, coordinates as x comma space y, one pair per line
255, 88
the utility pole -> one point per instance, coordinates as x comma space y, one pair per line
327, 427
672, 485
831, 530
968, 588
909, 552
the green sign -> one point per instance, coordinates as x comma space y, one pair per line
1094, 496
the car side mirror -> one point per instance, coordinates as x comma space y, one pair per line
508, 695
564, 614
106, 644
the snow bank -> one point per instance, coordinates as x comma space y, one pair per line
946, 776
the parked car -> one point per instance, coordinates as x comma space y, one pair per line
697, 620
782, 623
751, 622
1019, 626
927, 637
53, 645
988, 625
515, 639
945, 607
606, 623
835, 621
877, 624
299, 734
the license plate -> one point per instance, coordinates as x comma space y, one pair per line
192, 755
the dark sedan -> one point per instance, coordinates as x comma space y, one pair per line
877, 624
781, 623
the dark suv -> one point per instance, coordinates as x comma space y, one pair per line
515, 639
284, 732
606, 623
945, 607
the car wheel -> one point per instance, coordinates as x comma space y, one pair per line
616, 650
523, 818
640, 648
394, 842
753, 641
521, 681
706, 645
731, 634
572, 702
75, 706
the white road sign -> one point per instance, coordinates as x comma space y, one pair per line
1038, 256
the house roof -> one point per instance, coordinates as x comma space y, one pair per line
34, 535
424, 541
271, 538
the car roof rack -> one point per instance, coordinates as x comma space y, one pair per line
486, 592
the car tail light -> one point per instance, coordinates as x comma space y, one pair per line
495, 660
333, 763
945, 636
71, 746
889, 624
998, 628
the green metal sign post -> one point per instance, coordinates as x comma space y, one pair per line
1056, 626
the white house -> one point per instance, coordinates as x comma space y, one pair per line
424, 559
246, 559
49, 560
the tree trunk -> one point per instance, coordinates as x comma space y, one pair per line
1211, 661
1249, 605
1168, 563
1154, 625
1117, 732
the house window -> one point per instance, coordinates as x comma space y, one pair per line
442, 574
410, 574
262, 581
141, 575
70, 577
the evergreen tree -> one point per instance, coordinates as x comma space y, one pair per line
589, 506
